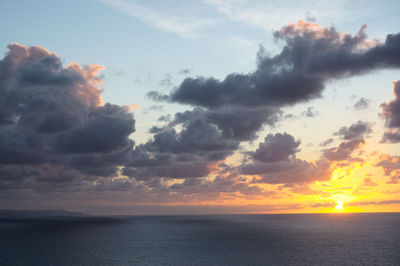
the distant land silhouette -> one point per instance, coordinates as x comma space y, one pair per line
9, 213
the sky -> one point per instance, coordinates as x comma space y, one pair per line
195, 107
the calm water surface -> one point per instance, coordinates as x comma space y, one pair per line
294, 239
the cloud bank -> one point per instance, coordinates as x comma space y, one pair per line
56, 134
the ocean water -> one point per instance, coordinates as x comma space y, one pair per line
293, 239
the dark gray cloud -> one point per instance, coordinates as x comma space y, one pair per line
391, 167
355, 130
311, 57
184, 153
391, 137
289, 171
276, 148
391, 110
199, 134
53, 125
275, 162
167, 81
175, 169
391, 114
153, 108
309, 16
310, 112
362, 104
353, 139
219, 185
242, 123
326, 142
344, 150
185, 71
106, 129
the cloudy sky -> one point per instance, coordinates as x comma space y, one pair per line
206, 106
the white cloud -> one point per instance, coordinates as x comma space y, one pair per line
273, 14
184, 26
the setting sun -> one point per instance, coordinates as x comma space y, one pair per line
339, 205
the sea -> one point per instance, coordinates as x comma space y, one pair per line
271, 239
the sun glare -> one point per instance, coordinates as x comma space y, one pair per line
339, 205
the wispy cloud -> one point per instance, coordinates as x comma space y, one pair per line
269, 15
184, 26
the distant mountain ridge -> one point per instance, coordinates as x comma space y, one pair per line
7, 213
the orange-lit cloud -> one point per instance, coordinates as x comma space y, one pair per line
133, 106
89, 90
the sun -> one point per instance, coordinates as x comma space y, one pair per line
339, 205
